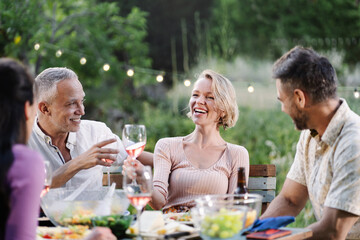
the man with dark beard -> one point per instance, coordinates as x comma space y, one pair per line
326, 168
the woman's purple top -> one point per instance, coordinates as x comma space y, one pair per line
26, 180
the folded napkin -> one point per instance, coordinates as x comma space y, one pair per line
271, 223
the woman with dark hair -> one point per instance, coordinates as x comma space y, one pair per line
21, 169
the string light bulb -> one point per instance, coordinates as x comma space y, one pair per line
82, 61
187, 83
356, 93
58, 53
251, 89
37, 46
130, 72
159, 78
106, 67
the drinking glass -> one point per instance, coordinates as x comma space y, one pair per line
113, 145
139, 191
134, 139
48, 178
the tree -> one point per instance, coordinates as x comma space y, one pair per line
79, 29
265, 29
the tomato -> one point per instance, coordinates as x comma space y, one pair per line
47, 236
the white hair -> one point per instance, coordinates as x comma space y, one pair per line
47, 80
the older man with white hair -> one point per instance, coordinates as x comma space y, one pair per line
75, 148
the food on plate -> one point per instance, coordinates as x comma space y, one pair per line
153, 225
71, 232
173, 227
149, 221
180, 217
222, 224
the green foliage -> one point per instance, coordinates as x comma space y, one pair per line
268, 28
16, 22
81, 29
266, 134
353, 104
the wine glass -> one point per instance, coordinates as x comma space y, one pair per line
139, 191
48, 178
113, 145
134, 139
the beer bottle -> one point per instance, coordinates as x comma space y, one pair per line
241, 183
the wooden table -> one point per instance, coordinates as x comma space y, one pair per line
297, 233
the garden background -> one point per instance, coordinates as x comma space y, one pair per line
164, 43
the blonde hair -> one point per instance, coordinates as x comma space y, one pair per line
225, 98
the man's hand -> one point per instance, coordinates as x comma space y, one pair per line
97, 155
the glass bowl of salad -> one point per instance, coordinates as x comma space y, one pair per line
251, 200
225, 216
80, 211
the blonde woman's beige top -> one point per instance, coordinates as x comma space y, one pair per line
180, 182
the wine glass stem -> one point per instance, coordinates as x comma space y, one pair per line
108, 176
138, 213
134, 178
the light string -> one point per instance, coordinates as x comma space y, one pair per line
131, 70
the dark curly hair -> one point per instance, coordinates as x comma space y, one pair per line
305, 69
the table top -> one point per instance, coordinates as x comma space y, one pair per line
297, 233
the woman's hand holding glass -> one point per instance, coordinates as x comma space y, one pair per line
134, 140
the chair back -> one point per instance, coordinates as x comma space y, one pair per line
262, 180
114, 177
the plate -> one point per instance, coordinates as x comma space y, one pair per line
65, 233
184, 218
172, 229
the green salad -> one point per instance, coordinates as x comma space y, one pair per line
117, 223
